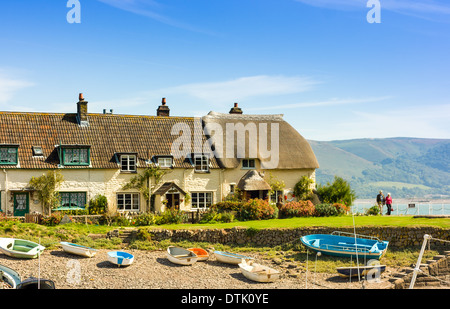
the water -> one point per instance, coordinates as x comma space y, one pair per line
407, 207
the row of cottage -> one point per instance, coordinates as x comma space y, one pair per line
204, 159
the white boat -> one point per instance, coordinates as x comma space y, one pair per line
181, 256
120, 258
230, 258
10, 277
19, 248
78, 249
257, 272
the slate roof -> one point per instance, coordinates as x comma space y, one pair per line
106, 135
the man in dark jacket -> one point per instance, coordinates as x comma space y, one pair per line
380, 201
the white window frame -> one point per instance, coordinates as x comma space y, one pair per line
247, 162
132, 198
125, 165
203, 163
200, 200
165, 162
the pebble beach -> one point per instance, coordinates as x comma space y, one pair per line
152, 270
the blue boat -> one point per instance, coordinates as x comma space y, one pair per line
351, 245
120, 258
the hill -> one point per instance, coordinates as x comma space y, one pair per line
405, 167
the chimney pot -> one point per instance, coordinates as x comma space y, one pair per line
163, 101
80, 97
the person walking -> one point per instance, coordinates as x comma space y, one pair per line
380, 201
389, 204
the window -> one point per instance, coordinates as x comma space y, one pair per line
276, 196
201, 200
73, 199
165, 162
201, 163
248, 163
76, 156
37, 151
128, 163
8, 155
128, 201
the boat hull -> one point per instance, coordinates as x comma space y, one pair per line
258, 273
78, 249
11, 277
344, 246
19, 248
181, 256
230, 258
120, 258
361, 271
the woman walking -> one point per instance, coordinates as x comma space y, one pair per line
389, 204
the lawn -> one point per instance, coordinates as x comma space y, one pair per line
343, 221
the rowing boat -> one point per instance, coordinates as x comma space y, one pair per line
20, 248
230, 258
78, 249
181, 256
257, 272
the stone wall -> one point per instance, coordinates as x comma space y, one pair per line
398, 237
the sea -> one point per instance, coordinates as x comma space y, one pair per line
407, 207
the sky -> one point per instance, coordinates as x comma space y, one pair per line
323, 64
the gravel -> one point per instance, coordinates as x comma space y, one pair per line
152, 270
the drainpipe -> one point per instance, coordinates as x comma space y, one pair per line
6, 192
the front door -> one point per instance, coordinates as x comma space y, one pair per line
21, 204
173, 200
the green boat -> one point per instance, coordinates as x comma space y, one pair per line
19, 248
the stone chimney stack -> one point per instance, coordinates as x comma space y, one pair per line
236, 109
163, 109
82, 118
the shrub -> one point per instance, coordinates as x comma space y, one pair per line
297, 209
329, 210
171, 216
212, 216
227, 206
302, 189
98, 205
52, 220
256, 209
144, 219
374, 210
337, 192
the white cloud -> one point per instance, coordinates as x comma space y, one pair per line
10, 85
426, 9
227, 92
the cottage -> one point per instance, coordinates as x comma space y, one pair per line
204, 159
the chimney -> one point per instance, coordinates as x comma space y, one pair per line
82, 111
236, 109
163, 109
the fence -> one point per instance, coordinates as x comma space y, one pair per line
407, 208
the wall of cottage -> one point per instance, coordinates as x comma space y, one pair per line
109, 182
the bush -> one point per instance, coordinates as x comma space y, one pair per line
257, 209
297, 209
329, 210
98, 205
227, 206
302, 189
374, 210
52, 220
171, 216
212, 216
337, 192
144, 219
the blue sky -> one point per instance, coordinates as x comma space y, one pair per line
330, 72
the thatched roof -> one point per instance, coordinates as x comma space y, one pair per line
294, 151
252, 181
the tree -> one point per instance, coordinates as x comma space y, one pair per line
141, 181
337, 192
46, 187
302, 189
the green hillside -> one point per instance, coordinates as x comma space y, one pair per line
406, 167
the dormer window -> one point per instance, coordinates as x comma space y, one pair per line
165, 162
8, 155
37, 151
75, 155
128, 163
201, 163
249, 163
